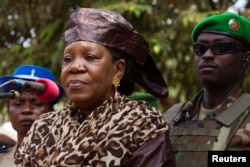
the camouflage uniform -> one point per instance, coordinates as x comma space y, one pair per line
193, 138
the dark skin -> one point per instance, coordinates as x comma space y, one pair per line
220, 74
23, 111
87, 73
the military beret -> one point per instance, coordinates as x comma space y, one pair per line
151, 100
226, 23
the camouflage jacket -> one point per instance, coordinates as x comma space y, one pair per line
227, 128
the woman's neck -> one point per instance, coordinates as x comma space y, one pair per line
20, 138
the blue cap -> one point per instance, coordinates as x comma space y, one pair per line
30, 73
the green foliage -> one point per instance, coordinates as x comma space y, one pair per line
46, 34
31, 33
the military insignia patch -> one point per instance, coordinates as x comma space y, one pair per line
234, 25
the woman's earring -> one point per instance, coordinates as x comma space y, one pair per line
116, 83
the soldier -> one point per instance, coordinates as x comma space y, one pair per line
217, 118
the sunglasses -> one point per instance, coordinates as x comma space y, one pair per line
218, 48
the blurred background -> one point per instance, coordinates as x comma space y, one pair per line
31, 33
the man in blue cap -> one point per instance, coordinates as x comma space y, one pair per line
25, 108
217, 118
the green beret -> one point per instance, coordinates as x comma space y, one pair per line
226, 24
151, 100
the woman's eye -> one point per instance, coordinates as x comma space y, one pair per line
38, 103
67, 59
16, 103
90, 57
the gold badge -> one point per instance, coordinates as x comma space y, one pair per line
234, 25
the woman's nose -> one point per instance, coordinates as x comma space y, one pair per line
77, 66
27, 108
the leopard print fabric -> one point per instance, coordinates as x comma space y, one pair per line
106, 137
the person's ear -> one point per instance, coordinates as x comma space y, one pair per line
247, 58
120, 66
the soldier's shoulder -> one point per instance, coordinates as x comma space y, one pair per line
170, 113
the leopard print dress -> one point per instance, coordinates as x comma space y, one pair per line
106, 137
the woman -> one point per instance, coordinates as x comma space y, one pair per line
24, 110
101, 126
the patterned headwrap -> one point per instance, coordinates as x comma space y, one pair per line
110, 29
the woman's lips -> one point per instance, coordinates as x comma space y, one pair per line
26, 122
76, 84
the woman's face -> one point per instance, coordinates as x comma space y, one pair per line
23, 111
87, 73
